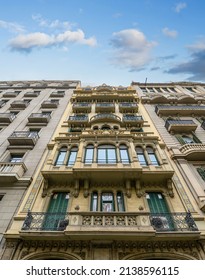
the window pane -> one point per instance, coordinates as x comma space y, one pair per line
101, 155
16, 158
120, 202
111, 156
124, 156
72, 158
89, 155
142, 159
107, 202
153, 159
61, 157
94, 202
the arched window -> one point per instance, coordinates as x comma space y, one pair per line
141, 156
72, 156
124, 155
94, 202
61, 156
89, 151
152, 156
120, 202
106, 154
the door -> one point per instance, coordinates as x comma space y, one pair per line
161, 218
55, 215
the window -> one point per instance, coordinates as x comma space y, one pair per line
107, 202
72, 156
124, 156
201, 171
106, 154
186, 139
61, 156
152, 156
141, 156
16, 158
89, 151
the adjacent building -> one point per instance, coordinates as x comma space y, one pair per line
116, 182
29, 114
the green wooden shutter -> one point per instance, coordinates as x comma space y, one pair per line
180, 139
201, 172
161, 218
56, 211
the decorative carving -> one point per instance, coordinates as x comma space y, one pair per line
170, 188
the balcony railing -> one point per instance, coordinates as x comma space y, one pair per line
180, 125
105, 107
10, 94
19, 104
23, 138
32, 94
11, 171
103, 117
7, 117
57, 94
128, 106
59, 221
41, 221
78, 119
50, 104
181, 109
39, 118
82, 107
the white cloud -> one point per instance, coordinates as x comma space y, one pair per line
180, 6
11, 26
169, 33
131, 49
39, 40
57, 24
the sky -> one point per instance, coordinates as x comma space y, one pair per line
103, 41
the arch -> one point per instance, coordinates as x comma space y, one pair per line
105, 127
159, 256
51, 255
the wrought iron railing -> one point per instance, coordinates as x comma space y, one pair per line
173, 222
105, 104
78, 118
179, 122
179, 107
41, 221
161, 222
132, 118
25, 134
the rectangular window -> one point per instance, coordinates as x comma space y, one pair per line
94, 202
89, 155
16, 158
142, 159
153, 159
72, 158
124, 156
61, 157
120, 202
107, 202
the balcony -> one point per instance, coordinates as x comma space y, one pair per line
105, 107
23, 138
183, 110
11, 172
57, 94
50, 104
110, 224
180, 125
105, 117
19, 104
81, 107
7, 117
39, 118
10, 94
133, 120
2, 103
128, 107
32, 94
78, 120
193, 151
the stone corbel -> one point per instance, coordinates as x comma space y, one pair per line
45, 187
86, 188
170, 188
76, 189
128, 189
139, 191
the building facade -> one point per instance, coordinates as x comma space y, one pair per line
110, 186
29, 114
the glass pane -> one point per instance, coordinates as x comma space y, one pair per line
142, 160
107, 207
107, 202
111, 156
89, 155
120, 202
153, 159
94, 202
72, 158
16, 158
124, 156
101, 156
61, 157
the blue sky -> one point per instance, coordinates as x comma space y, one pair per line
103, 41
